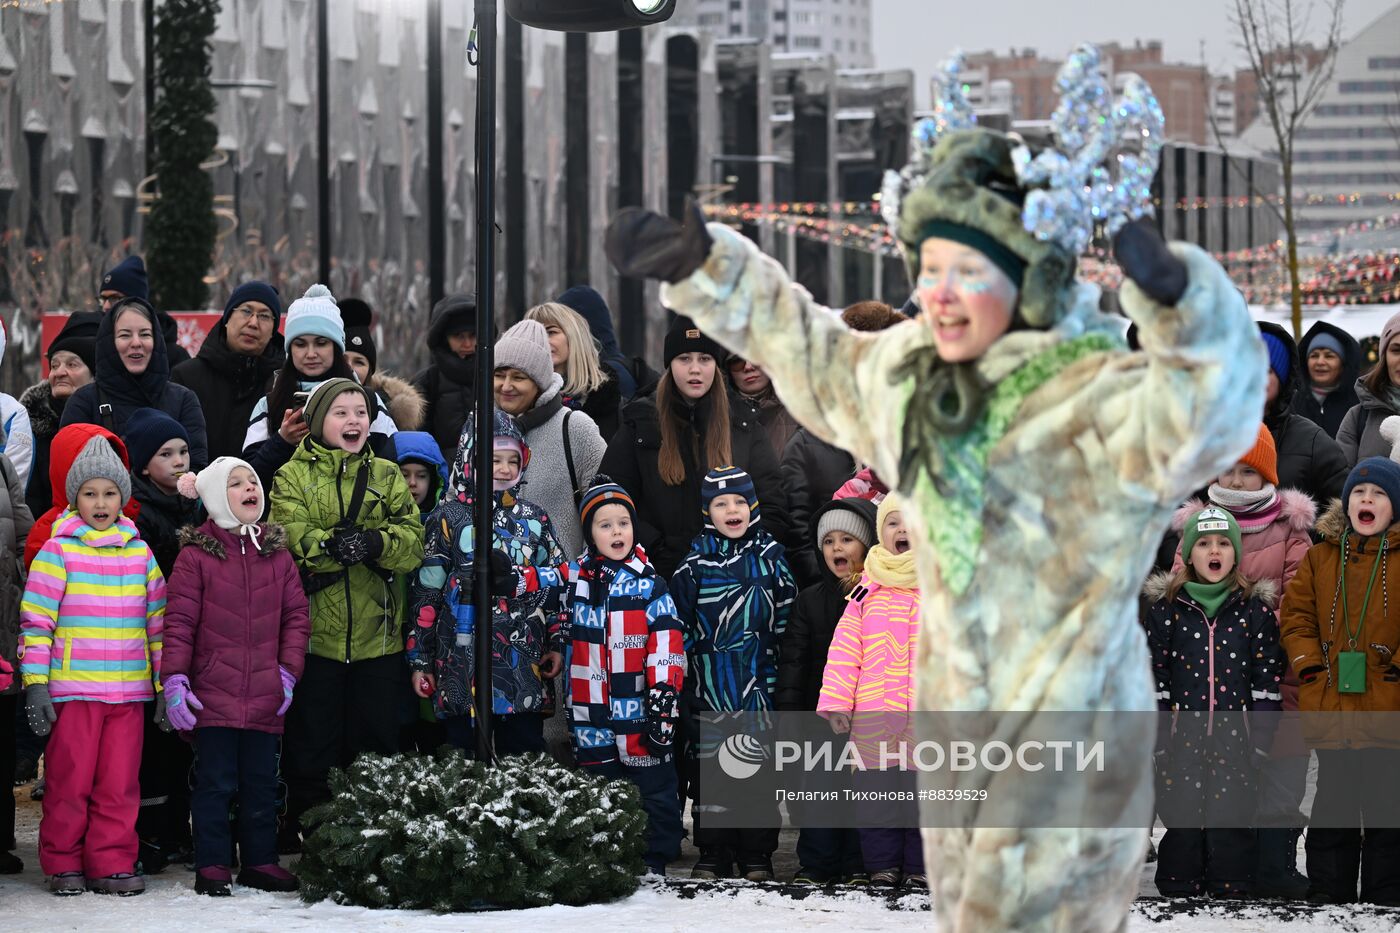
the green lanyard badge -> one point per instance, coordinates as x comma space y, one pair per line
1351, 664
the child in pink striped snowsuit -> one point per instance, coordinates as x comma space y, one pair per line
90, 628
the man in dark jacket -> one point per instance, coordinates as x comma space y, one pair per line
448, 384
127, 279
235, 366
1308, 459
1331, 362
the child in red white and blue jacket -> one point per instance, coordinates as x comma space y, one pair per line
626, 663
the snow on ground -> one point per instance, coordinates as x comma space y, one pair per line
170, 904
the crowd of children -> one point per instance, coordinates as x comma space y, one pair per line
198, 667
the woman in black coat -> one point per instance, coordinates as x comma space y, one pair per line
133, 371
1331, 361
672, 435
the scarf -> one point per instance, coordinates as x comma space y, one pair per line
889, 569
1392, 397
1211, 596
1253, 511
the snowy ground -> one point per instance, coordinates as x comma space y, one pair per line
170, 904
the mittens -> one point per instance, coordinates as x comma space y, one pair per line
38, 706
661, 712
7, 674
505, 582
645, 245
1143, 256
347, 547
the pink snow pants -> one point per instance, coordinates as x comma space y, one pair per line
91, 767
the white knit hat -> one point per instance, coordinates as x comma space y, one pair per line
526, 347
315, 314
210, 486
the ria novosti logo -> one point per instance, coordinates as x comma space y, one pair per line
741, 756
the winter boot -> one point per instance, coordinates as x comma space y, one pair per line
122, 884
151, 857
272, 877
68, 883
756, 868
10, 864
713, 865
858, 879
213, 881
918, 881
886, 878
1277, 875
810, 876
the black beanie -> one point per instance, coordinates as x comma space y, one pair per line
685, 337
79, 336
359, 332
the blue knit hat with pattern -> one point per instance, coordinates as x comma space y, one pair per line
728, 480
1280, 360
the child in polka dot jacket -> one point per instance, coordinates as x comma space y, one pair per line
1215, 652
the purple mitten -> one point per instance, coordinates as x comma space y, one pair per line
288, 682
180, 702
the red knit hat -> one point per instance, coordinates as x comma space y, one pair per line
1263, 457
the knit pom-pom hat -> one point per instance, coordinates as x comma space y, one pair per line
315, 314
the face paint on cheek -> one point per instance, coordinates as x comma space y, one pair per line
977, 287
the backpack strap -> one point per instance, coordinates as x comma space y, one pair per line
105, 415
357, 497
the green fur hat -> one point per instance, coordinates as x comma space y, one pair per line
972, 184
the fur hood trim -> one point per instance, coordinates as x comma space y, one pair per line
1298, 510
1155, 589
274, 540
38, 402
406, 405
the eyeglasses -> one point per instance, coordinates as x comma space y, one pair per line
264, 317
737, 363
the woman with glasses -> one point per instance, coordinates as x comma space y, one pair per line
235, 366
754, 397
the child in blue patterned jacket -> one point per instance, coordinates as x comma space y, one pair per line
733, 594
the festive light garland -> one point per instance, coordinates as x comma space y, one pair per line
814, 208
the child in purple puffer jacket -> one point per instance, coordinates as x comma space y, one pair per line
236, 627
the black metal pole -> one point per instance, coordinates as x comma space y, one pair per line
437, 207
323, 142
485, 359
148, 14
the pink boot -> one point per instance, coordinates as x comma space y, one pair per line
271, 877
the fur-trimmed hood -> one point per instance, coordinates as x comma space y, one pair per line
1299, 511
44, 416
406, 404
1155, 589
274, 539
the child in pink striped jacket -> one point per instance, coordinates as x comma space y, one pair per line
90, 628
869, 678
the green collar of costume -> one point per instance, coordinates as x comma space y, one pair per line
950, 471
1211, 596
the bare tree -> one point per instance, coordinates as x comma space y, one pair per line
1272, 34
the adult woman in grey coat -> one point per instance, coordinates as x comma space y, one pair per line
565, 450
1379, 394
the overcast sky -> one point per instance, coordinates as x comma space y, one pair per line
919, 34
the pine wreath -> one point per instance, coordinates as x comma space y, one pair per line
450, 834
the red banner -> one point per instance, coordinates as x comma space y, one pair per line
194, 327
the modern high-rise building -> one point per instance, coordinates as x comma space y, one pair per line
838, 27
1347, 151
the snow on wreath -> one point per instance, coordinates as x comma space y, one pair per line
450, 834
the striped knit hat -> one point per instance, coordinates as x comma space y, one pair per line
728, 480
603, 492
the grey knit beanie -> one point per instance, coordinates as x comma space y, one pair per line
526, 347
849, 522
97, 460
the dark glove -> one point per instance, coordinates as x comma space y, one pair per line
347, 547
1308, 674
1143, 256
38, 706
161, 720
504, 579
662, 711
645, 245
